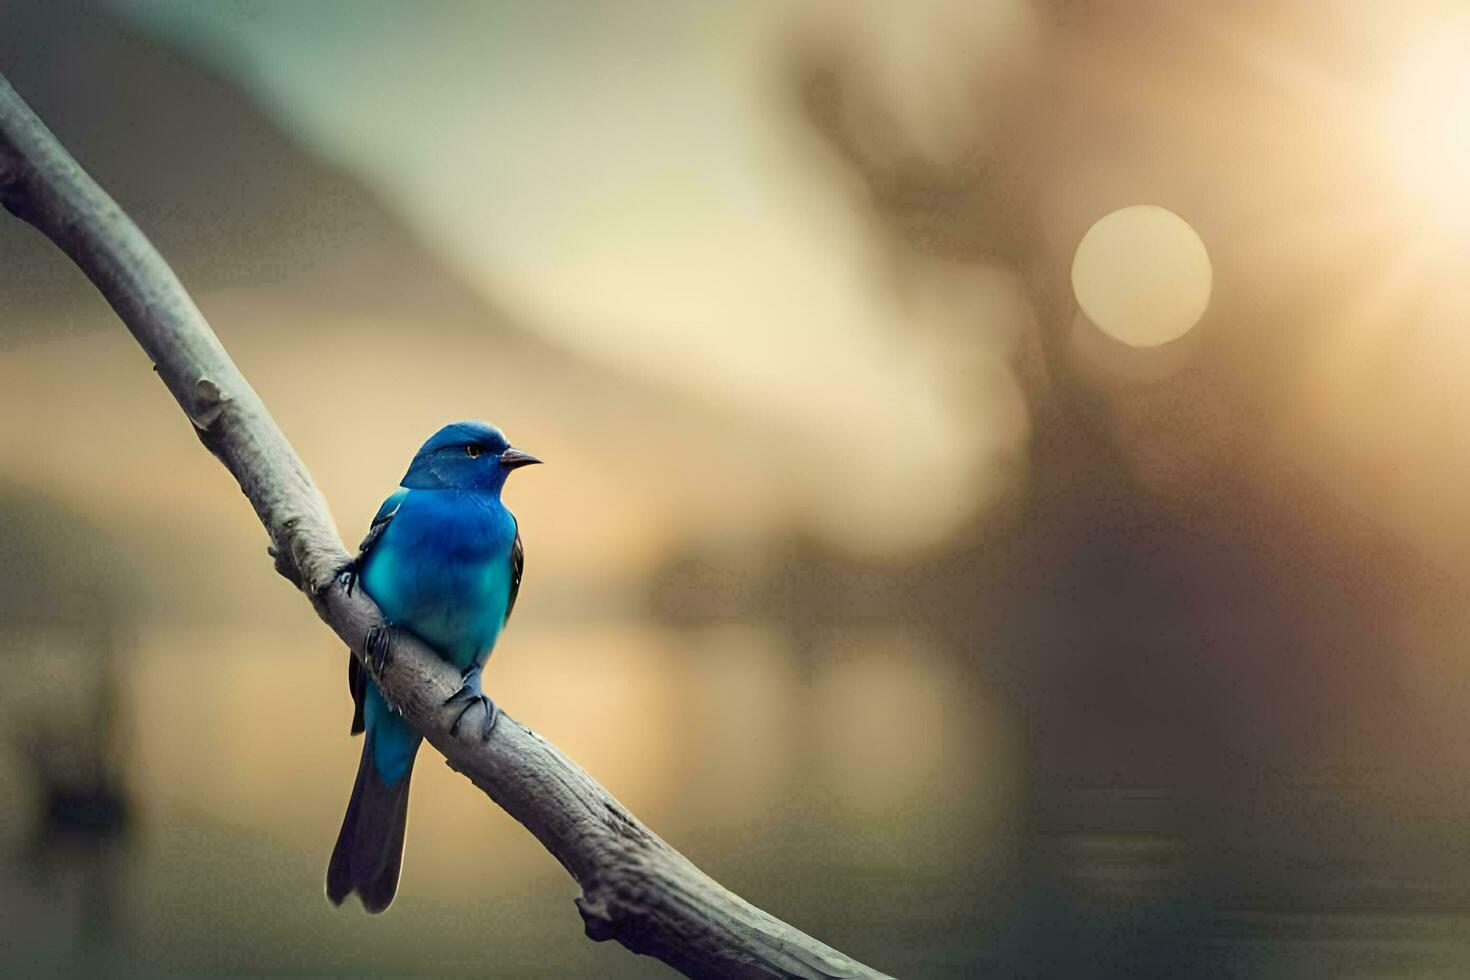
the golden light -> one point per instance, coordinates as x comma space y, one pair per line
1427, 121
1142, 275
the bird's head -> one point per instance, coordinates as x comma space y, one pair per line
468, 455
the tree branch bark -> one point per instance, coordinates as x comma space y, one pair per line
635, 887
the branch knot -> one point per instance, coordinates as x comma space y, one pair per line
596, 919
209, 403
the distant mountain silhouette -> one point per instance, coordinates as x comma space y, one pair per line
229, 200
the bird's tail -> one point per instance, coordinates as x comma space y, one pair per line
369, 851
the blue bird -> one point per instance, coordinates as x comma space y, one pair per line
443, 561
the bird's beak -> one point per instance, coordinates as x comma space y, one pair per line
514, 458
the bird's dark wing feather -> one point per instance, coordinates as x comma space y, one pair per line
517, 565
380, 523
356, 677
357, 684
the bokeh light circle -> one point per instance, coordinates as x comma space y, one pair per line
1142, 275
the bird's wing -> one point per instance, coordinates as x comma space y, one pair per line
356, 677
517, 565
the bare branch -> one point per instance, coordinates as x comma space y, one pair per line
635, 887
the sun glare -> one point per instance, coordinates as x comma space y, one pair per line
1427, 116
1142, 275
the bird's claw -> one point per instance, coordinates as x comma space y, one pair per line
469, 700
347, 576
378, 645
469, 695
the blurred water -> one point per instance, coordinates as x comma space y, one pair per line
874, 801
238, 763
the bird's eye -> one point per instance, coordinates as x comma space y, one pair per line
472, 450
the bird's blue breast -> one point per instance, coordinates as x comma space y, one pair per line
442, 570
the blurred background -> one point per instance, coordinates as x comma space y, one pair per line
1006, 505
